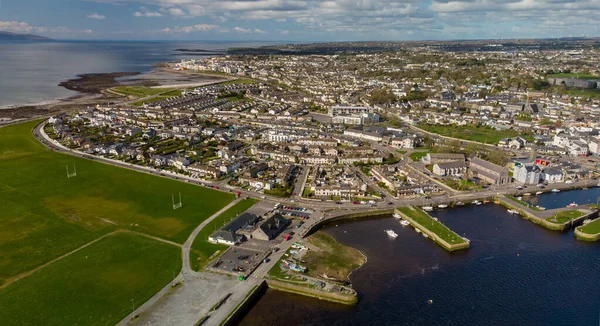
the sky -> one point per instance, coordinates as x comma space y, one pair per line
301, 20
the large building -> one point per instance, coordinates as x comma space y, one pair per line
450, 168
230, 234
271, 228
488, 171
442, 158
348, 110
527, 174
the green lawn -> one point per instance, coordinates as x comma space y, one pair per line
574, 75
140, 91
584, 92
94, 286
417, 156
202, 250
45, 215
564, 216
434, 226
334, 259
591, 228
159, 98
476, 133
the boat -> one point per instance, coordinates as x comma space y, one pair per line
396, 215
427, 208
527, 194
496, 202
418, 231
476, 202
442, 206
404, 223
459, 203
391, 234
486, 201
425, 235
539, 193
573, 204
555, 190
513, 211
541, 208
520, 198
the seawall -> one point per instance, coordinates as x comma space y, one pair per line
349, 216
252, 297
322, 295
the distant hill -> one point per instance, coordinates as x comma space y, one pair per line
20, 37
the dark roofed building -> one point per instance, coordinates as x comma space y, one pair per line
271, 228
228, 233
488, 171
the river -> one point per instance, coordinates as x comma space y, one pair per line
515, 273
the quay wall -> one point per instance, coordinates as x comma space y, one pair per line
434, 236
245, 306
325, 221
586, 236
322, 295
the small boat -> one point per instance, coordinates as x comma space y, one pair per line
418, 231
459, 203
573, 204
404, 223
512, 211
486, 201
391, 234
435, 219
555, 190
520, 198
425, 235
396, 216
427, 208
496, 202
476, 202
541, 208
539, 193
527, 194
442, 206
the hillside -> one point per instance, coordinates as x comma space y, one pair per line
21, 37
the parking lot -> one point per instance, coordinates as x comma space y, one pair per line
238, 261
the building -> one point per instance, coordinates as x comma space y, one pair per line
527, 174
348, 110
450, 168
488, 171
271, 227
442, 158
228, 233
552, 175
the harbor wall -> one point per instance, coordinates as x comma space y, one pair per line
586, 236
434, 236
240, 311
322, 295
374, 213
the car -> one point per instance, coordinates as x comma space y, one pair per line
355, 203
266, 260
390, 203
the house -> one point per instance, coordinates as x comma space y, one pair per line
205, 171
228, 233
488, 171
450, 168
553, 175
271, 227
514, 143
442, 158
527, 174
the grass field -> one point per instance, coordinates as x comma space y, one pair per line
202, 250
574, 75
434, 226
474, 133
591, 228
158, 98
334, 259
564, 216
140, 91
94, 286
417, 156
45, 215
584, 92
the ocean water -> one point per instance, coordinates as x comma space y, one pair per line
515, 273
31, 71
564, 198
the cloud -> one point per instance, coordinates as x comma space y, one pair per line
144, 12
96, 16
190, 29
241, 30
24, 27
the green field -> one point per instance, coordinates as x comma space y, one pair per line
584, 92
158, 98
574, 75
591, 228
202, 250
94, 286
564, 216
476, 133
45, 215
140, 91
434, 226
333, 258
417, 156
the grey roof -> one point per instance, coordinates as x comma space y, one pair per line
452, 165
552, 171
486, 165
240, 221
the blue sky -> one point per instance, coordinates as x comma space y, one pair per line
300, 20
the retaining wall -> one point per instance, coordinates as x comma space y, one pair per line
323, 295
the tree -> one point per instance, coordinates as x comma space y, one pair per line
473, 148
455, 146
497, 157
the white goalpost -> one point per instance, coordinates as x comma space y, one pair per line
73, 174
176, 205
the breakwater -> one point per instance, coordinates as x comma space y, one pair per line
348, 299
437, 232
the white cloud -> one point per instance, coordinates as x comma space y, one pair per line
241, 30
144, 12
190, 29
96, 16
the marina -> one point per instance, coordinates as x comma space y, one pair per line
508, 254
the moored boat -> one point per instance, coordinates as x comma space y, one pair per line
539, 193
442, 206
404, 223
573, 204
396, 215
427, 208
391, 234
425, 235
459, 203
555, 190
512, 211
527, 194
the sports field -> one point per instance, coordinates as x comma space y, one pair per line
45, 215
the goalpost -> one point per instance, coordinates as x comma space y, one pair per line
71, 175
176, 205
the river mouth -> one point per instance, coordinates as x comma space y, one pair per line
515, 272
